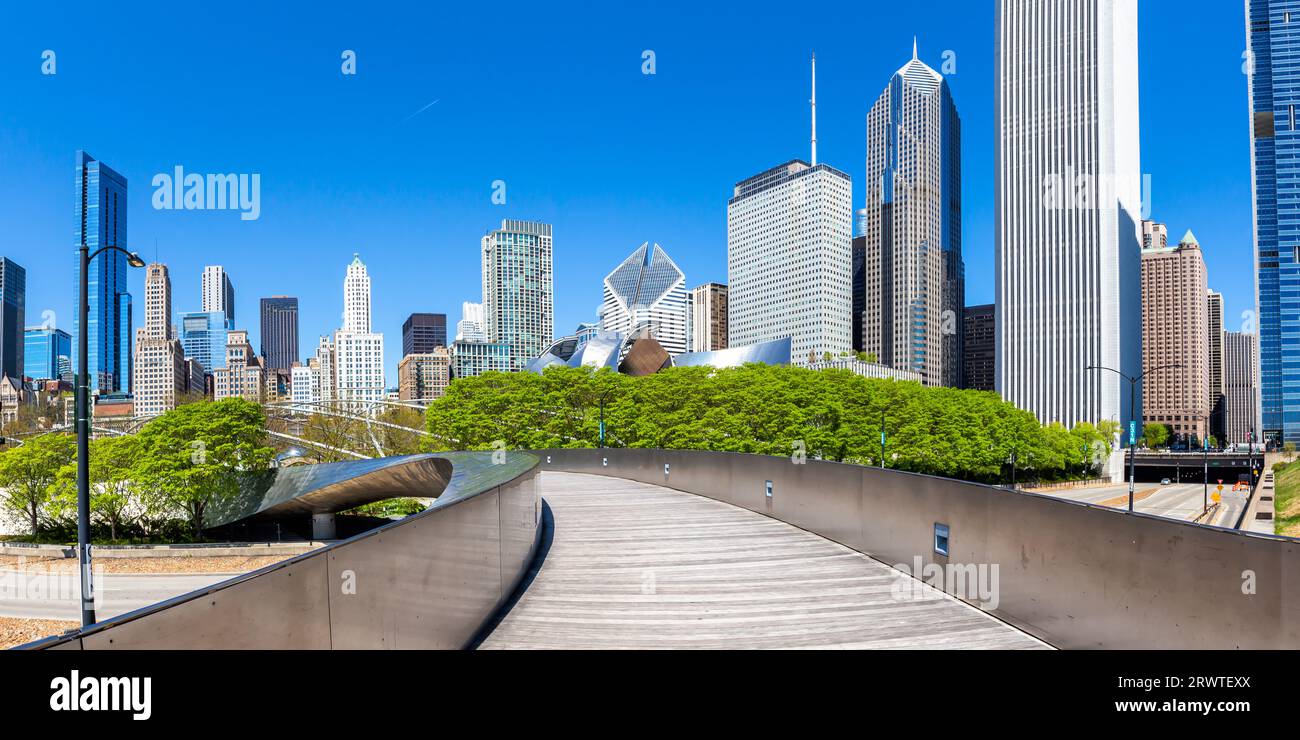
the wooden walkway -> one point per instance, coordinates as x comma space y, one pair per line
638, 566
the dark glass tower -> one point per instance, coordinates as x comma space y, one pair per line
1273, 36
280, 332
13, 298
421, 332
101, 220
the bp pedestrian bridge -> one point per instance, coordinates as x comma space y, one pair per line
660, 549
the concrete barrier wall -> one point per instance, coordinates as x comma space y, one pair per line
431, 580
1072, 574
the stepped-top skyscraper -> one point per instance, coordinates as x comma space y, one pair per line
789, 257
1272, 36
912, 260
518, 289
358, 354
160, 372
647, 289
1068, 211
101, 221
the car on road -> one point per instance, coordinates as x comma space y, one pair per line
1165, 481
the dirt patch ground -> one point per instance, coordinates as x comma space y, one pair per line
224, 564
14, 631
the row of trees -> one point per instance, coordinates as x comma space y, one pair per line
763, 409
175, 469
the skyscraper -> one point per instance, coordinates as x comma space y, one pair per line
789, 256
47, 353
647, 290
914, 293
1068, 207
161, 375
101, 221
709, 317
219, 293
242, 375
13, 302
470, 326
1241, 387
979, 346
358, 353
518, 289
1214, 312
422, 332
203, 336
1176, 337
423, 376
279, 332
1272, 34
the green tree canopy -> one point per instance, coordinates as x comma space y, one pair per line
29, 476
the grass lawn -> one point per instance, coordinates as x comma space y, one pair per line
1287, 501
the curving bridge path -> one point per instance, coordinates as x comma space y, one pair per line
633, 565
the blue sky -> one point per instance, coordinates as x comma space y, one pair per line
548, 97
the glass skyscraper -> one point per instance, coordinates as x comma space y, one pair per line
13, 300
101, 221
518, 292
1273, 63
203, 337
47, 353
280, 332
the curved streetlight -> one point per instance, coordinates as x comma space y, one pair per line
602, 415
1132, 409
83, 429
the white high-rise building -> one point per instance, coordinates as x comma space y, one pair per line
357, 353
1069, 208
789, 257
518, 289
647, 290
219, 293
356, 297
470, 326
161, 375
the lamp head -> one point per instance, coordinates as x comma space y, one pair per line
133, 259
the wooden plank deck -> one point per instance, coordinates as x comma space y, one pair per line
639, 566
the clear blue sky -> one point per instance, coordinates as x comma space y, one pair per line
548, 97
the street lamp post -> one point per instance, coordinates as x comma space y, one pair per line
882, 439
603, 396
83, 429
1132, 407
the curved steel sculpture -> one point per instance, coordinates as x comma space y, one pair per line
430, 580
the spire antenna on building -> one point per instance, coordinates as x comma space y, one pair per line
814, 109
914, 47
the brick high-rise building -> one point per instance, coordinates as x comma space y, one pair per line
161, 375
1241, 387
708, 317
1175, 332
424, 376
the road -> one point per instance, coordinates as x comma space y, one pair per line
34, 595
639, 566
1175, 501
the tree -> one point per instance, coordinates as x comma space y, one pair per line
1289, 449
1156, 435
29, 476
115, 499
198, 456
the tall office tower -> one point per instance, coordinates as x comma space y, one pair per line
1241, 387
1214, 314
1155, 235
203, 335
243, 375
279, 332
1068, 207
101, 221
979, 345
326, 365
789, 257
859, 272
358, 353
13, 302
1273, 30
469, 358
470, 326
161, 375
709, 317
647, 290
1176, 337
47, 353
423, 376
219, 293
304, 384
518, 292
914, 293
422, 332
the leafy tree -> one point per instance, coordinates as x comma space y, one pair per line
29, 476
1156, 435
1289, 449
199, 455
114, 497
